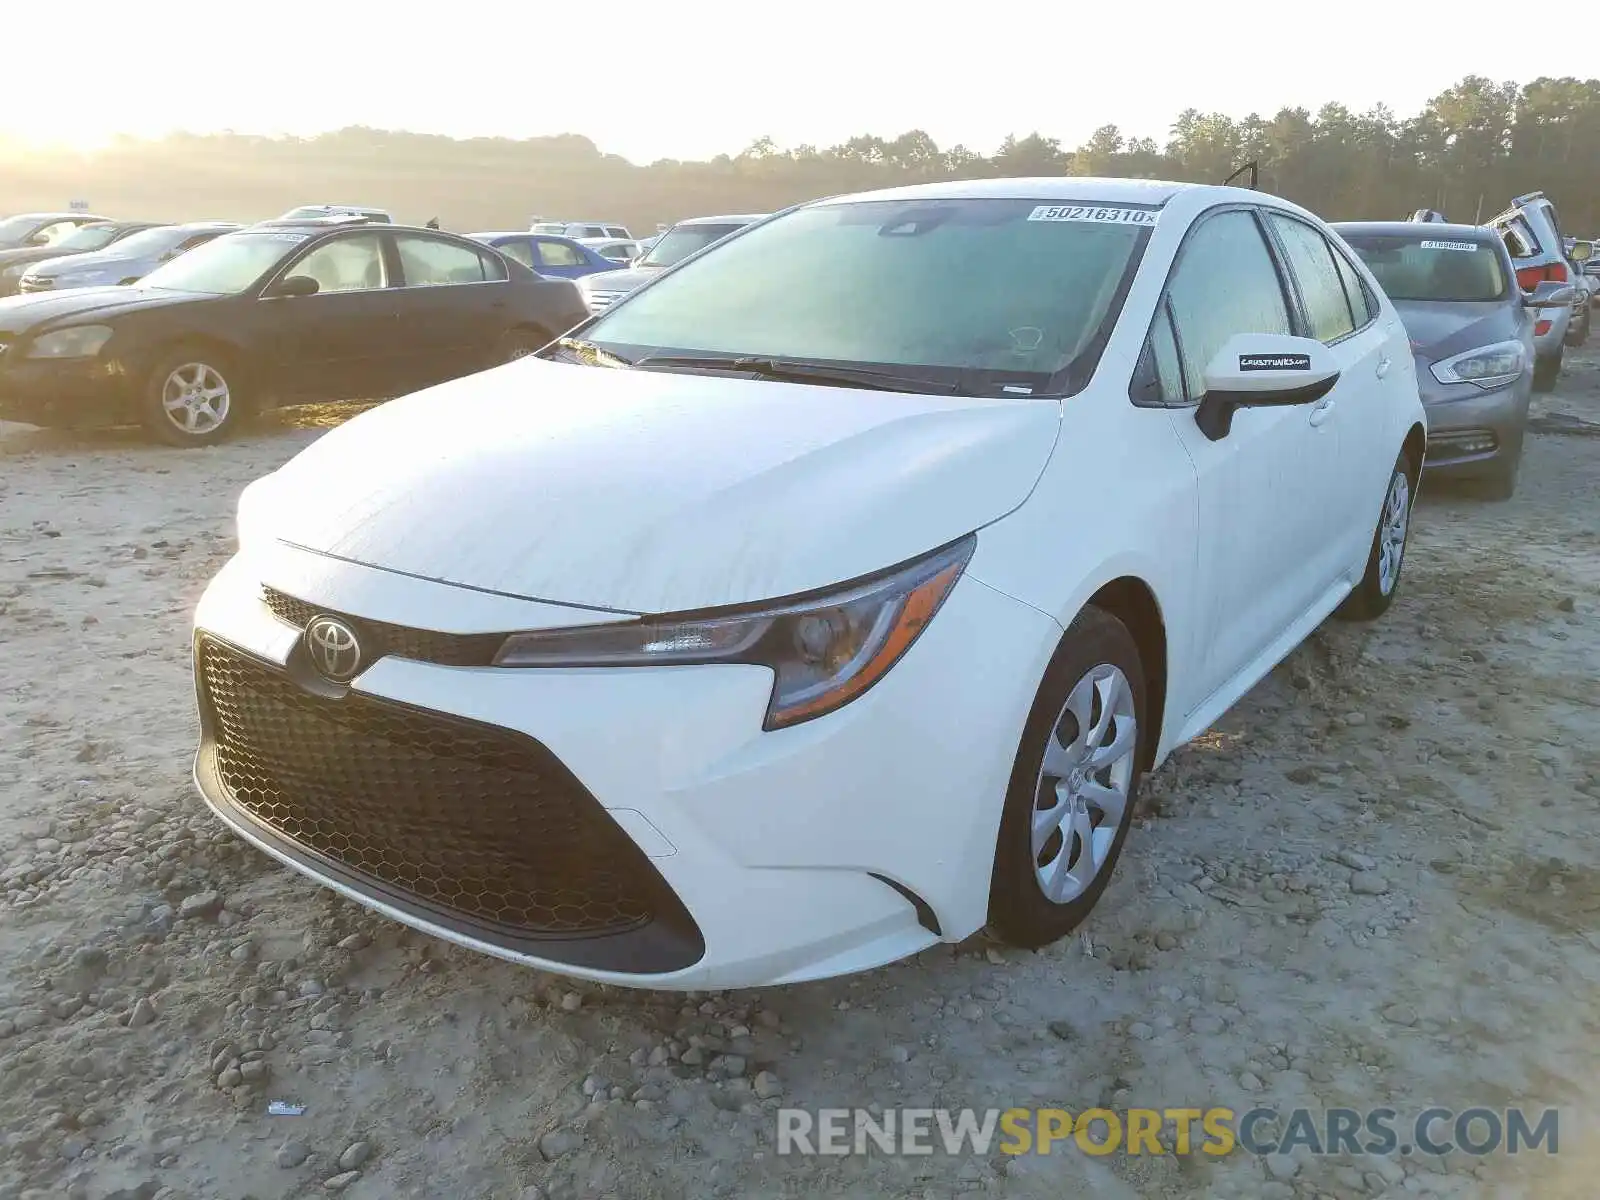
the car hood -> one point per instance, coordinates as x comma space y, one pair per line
1438, 329
97, 260
20, 314
623, 280
644, 491
32, 254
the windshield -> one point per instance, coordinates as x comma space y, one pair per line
15, 229
88, 237
228, 265
556, 227
1443, 270
943, 287
677, 244
150, 241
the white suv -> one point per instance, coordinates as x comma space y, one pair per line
825, 598
1532, 232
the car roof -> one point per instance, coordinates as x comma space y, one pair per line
59, 216
1422, 229
329, 224
746, 218
1049, 187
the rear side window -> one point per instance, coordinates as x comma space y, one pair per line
1362, 304
1225, 283
1321, 289
559, 254
431, 263
521, 251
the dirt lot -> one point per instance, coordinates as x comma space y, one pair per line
1377, 883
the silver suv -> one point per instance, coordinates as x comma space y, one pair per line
1532, 232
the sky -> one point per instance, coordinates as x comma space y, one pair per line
693, 80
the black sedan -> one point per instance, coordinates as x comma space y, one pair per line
85, 239
40, 228
282, 312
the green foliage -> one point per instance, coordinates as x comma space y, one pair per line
1467, 153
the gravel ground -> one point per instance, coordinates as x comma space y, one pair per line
1377, 882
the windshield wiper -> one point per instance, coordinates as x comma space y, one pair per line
589, 354
797, 371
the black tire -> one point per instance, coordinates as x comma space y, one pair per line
192, 362
1371, 597
1546, 370
519, 343
1502, 485
1580, 333
1019, 910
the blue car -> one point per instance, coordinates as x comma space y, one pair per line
557, 257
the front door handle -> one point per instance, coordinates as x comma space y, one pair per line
1322, 412
1383, 367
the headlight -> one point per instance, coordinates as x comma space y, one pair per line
253, 519
823, 652
1487, 366
81, 341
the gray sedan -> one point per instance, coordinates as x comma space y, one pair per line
124, 261
1471, 330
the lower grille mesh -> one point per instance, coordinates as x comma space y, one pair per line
476, 821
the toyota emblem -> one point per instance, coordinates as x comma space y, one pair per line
334, 649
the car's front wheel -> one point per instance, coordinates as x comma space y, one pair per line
191, 397
1376, 591
1073, 786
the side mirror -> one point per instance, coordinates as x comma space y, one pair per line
1550, 294
39, 239
1262, 370
295, 285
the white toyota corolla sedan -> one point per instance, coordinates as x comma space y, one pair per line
826, 598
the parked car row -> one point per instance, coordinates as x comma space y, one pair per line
318, 308
1489, 310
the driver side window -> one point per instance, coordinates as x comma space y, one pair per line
1225, 283
346, 264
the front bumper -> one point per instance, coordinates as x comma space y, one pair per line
827, 848
64, 392
1472, 432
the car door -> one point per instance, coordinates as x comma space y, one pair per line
1351, 420
1262, 485
337, 343
559, 258
452, 307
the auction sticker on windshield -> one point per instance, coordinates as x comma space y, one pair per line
1089, 212
1449, 245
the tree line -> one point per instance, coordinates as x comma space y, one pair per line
1471, 148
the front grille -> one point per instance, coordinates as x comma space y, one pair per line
470, 824
379, 638
1460, 443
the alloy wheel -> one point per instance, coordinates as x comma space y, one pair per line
1083, 784
196, 398
1392, 529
